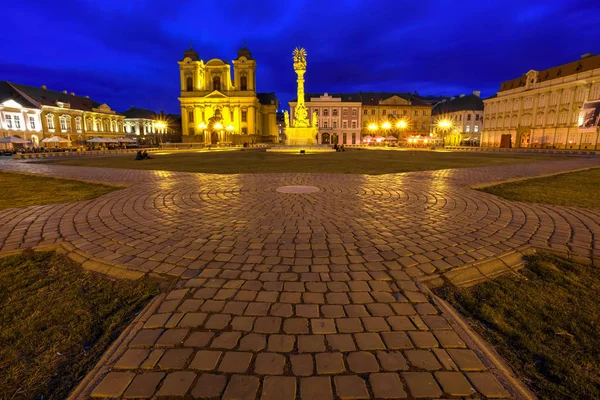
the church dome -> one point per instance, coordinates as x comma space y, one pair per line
244, 52
191, 53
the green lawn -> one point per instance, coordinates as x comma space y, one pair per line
545, 321
20, 190
579, 189
56, 320
371, 162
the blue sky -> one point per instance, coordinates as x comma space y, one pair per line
125, 52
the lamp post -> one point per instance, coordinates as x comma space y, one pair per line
219, 127
372, 128
160, 126
446, 126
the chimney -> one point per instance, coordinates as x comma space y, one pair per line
477, 93
587, 55
72, 93
462, 95
64, 91
44, 87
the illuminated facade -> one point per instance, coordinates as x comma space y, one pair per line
73, 117
543, 109
406, 114
147, 126
18, 116
339, 117
459, 120
219, 109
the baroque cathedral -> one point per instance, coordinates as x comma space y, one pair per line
221, 107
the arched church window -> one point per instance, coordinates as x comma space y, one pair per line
189, 83
244, 83
216, 83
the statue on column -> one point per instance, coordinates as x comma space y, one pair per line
286, 118
300, 113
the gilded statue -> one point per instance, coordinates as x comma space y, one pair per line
286, 118
299, 58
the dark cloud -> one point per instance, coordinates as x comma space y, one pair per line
126, 53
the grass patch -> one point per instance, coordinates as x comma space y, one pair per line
545, 321
576, 189
20, 190
372, 162
57, 319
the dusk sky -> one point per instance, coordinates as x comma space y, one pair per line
125, 52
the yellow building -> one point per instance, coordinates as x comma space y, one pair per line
219, 109
459, 120
72, 117
553, 108
407, 114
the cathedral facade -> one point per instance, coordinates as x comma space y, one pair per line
220, 104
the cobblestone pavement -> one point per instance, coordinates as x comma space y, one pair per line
311, 296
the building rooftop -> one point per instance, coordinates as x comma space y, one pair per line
7, 92
586, 63
366, 98
267, 98
139, 113
471, 102
46, 97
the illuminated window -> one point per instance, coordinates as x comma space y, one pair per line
335, 112
424, 112
365, 112
63, 123
244, 116
372, 112
345, 112
344, 124
317, 111
468, 128
244, 131
9, 123
17, 122
394, 112
383, 113
50, 121
334, 124
191, 116
32, 122
405, 112
468, 117
416, 112
189, 84
325, 125
353, 124
244, 83
78, 124
326, 112
216, 83
354, 112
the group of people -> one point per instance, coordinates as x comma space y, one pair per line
142, 155
339, 147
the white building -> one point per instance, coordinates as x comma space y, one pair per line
18, 116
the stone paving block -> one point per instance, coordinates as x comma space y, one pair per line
311, 343
403, 309
302, 364
387, 385
209, 386
487, 384
113, 384
279, 388
436, 322
322, 326
282, 310
144, 385
332, 311
146, 338
375, 324
295, 325
241, 387
132, 359
423, 340
343, 342
257, 309
369, 341
152, 360
176, 384
449, 339
356, 311
281, 343
253, 342
226, 340
392, 361
423, 359
157, 321
421, 384
242, 323
316, 388
454, 383
330, 363
192, 320
267, 325
235, 307
466, 360
362, 362
269, 364
205, 360
235, 362
351, 387
199, 339
175, 358
172, 337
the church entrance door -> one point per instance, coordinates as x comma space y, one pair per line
214, 137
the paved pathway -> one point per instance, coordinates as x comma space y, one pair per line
300, 295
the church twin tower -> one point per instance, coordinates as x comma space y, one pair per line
220, 111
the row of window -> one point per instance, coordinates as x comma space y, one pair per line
65, 124
244, 116
334, 112
552, 99
539, 120
14, 121
325, 124
395, 112
216, 83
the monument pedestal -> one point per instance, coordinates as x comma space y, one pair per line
301, 136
